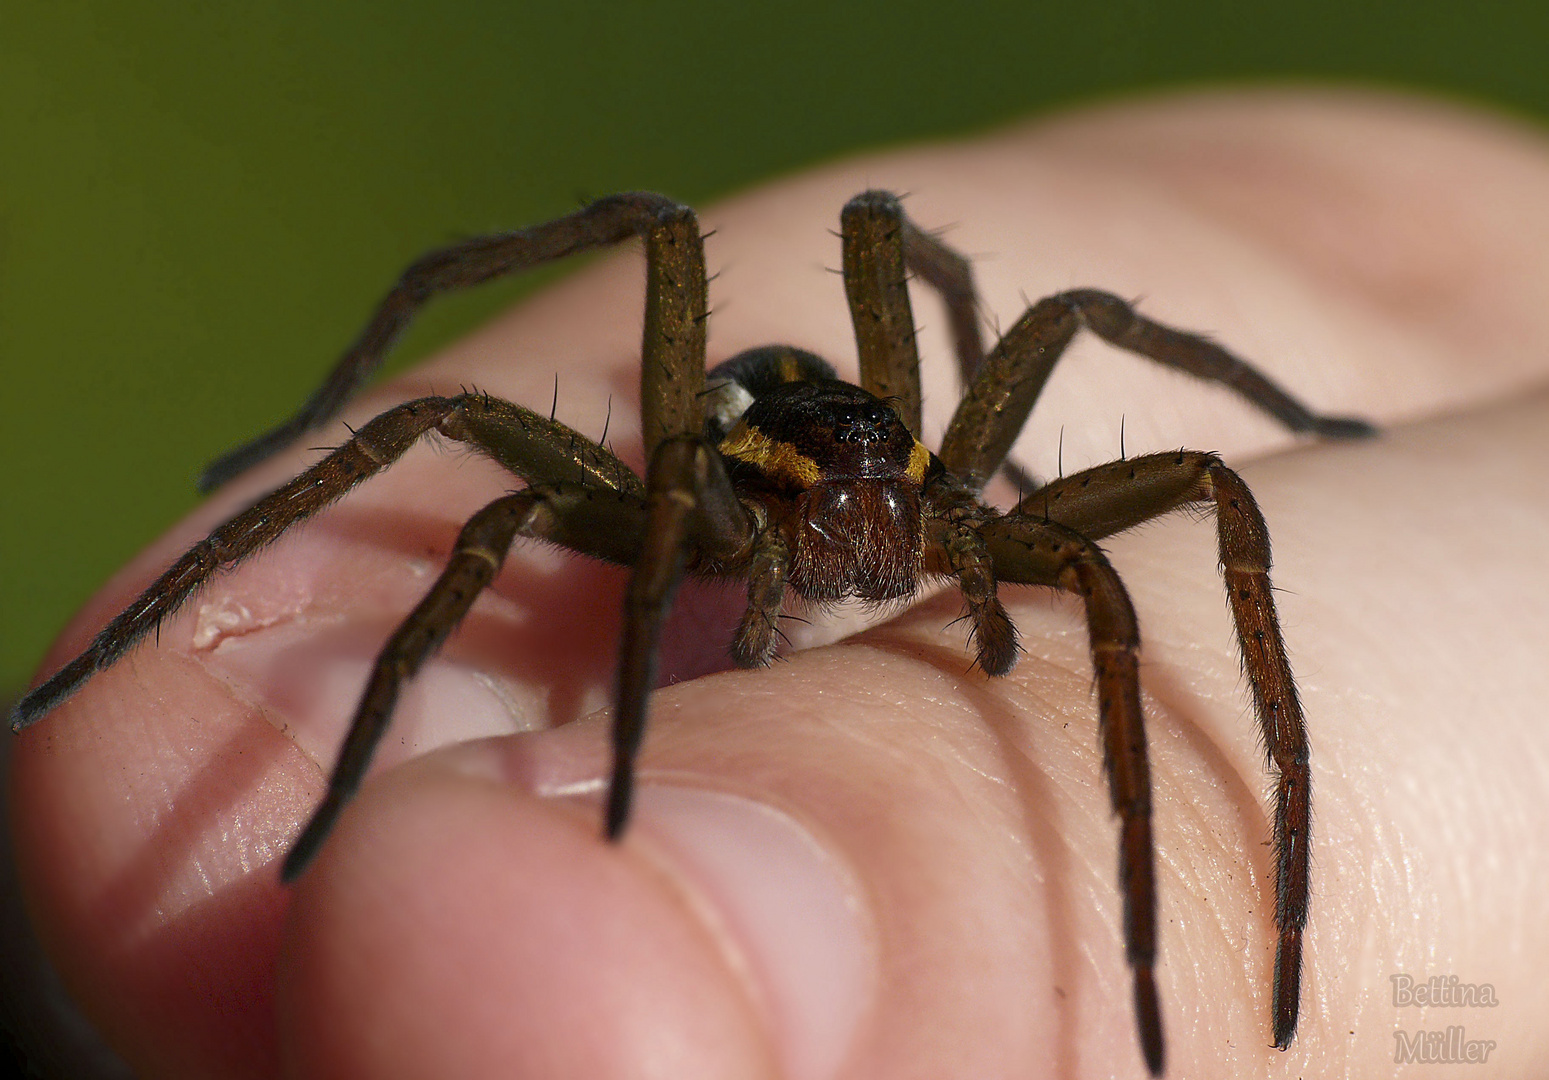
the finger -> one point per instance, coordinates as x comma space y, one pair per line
875, 861
199, 730
1409, 585
1214, 775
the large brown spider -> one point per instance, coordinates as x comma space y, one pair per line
768, 468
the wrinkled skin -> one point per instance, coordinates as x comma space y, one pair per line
870, 860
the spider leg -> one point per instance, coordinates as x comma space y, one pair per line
755, 642
880, 244
1110, 498
872, 230
875, 228
602, 223
672, 352
998, 401
1036, 552
567, 515
968, 558
690, 506
526, 442
690, 502
376, 444
951, 276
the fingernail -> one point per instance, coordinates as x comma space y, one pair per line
793, 916
308, 679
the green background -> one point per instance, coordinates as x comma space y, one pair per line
198, 205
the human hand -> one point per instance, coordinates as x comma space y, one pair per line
871, 860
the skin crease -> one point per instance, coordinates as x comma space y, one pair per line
1380, 257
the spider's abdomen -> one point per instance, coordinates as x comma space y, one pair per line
839, 475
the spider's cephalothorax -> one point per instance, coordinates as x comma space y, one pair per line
771, 470
835, 473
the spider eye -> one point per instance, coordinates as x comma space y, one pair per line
863, 422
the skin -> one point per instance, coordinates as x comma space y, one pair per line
936, 843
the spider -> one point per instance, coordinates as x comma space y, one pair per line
768, 468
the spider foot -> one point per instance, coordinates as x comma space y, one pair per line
1148, 1014
1343, 427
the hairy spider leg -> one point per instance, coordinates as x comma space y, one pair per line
876, 284
993, 634
672, 407
602, 523
881, 248
690, 505
1036, 552
951, 276
672, 349
671, 392
758, 631
603, 223
522, 440
1122, 494
986, 424
1000, 398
